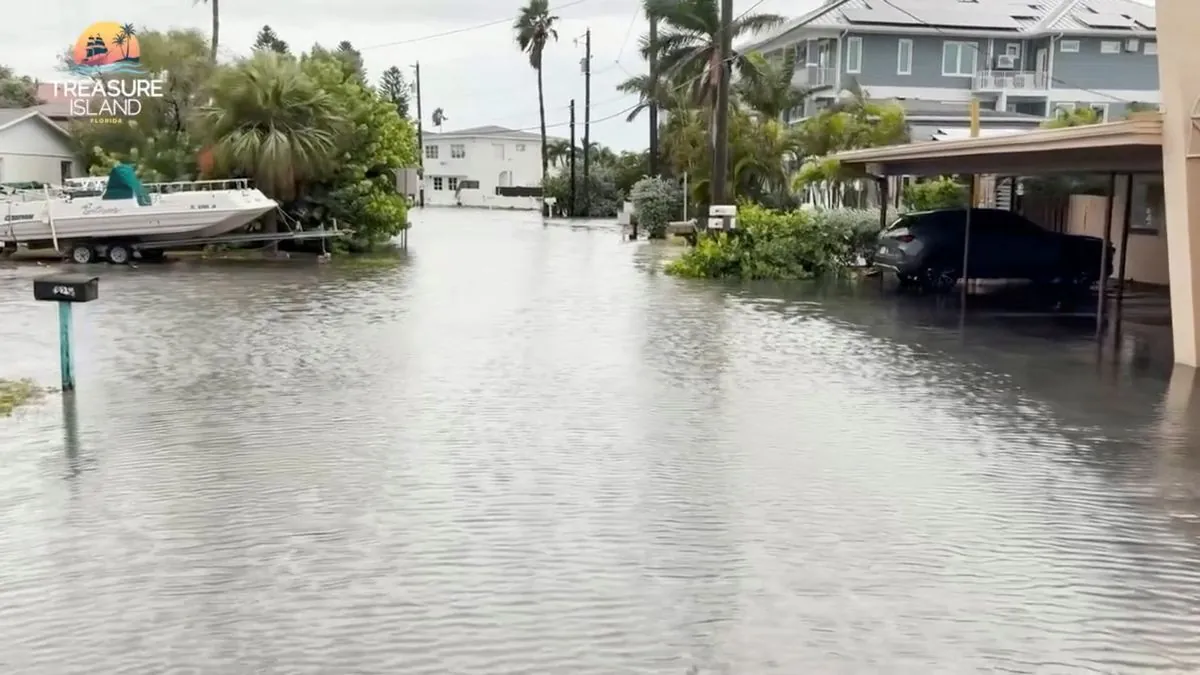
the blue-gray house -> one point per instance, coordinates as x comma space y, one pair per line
1023, 60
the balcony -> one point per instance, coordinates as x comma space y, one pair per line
1010, 81
810, 77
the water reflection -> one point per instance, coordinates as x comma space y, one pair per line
524, 449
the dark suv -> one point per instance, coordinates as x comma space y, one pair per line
926, 249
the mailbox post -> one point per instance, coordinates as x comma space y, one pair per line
66, 290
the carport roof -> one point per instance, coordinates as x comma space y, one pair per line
1133, 145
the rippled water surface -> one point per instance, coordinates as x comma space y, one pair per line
525, 451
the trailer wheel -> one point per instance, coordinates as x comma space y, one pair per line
83, 254
118, 254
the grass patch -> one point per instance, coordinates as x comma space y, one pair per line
15, 393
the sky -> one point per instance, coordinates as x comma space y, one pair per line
477, 76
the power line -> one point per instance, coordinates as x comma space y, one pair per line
458, 31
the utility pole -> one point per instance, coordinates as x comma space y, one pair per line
653, 47
571, 203
721, 135
587, 117
420, 138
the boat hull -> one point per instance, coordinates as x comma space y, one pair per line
168, 216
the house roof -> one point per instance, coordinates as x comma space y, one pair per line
488, 130
1028, 18
10, 117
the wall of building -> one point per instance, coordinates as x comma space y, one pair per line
492, 161
1090, 68
1147, 258
33, 150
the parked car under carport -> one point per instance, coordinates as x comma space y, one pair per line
925, 249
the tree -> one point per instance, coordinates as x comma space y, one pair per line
393, 87
16, 92
534, 28
159, 140
353, 60
348, 59
438, 118
360, 188
270, 122
216, 27
768, 90
689, 43
267, 40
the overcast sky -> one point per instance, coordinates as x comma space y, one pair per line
477, 76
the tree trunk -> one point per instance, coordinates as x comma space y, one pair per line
545, 150
216, 27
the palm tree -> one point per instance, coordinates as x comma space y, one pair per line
769, 91
120, 41
269, 122
216, 26
648, 94
559, 152
689, 43
438, 118
534, 28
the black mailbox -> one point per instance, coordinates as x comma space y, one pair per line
66, 288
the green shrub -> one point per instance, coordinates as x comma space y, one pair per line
768, 245
939, 193
859, 226
655, 201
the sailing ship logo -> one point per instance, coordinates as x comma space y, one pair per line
107, 48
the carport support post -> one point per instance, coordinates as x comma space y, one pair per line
966, 271
1124, 240
1102, 287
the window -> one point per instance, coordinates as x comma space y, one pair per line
457, 152
1069, 46
854, 55
1063, 107
437, 182
1147, 208
1150, 49
1101, 111
452, 182
959, 59
1012, 49
520, 147
1110, 47
904, 57
65, 169
431, 152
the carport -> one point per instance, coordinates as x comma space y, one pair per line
1117, 149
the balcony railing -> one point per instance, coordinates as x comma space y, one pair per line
1010, 80
808, 77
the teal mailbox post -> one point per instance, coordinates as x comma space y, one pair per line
66, 290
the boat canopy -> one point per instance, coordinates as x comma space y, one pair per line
123, 183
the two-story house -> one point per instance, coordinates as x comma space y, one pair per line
1022, 59
466, 167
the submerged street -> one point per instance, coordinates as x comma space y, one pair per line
524, 450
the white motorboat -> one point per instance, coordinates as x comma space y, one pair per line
128, 212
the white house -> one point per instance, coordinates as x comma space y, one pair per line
34, 148
468, 167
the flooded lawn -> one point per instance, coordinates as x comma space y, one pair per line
523, 450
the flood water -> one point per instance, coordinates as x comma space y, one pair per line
525, 451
